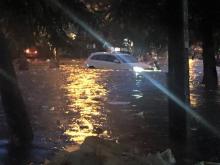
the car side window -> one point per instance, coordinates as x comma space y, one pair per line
103, 57
110, 58
99, 57
95, 57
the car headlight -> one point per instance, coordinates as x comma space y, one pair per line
138, 69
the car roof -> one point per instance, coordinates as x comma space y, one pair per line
100, 53
109, 53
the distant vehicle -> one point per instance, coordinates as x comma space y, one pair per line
117, 61
31, 52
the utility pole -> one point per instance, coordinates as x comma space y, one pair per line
178, 75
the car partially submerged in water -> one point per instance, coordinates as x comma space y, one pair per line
117, 61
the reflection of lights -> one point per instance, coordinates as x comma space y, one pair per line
138, 69
193, 74
80, 130
191, 71
137, 94
192, 82
117, 49
86, 96
194, 100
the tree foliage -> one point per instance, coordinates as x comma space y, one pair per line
26, 21
142, 22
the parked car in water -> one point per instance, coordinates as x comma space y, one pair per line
116, 61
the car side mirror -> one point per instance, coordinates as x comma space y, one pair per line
117, 61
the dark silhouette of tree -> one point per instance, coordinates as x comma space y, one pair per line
12, 100
21, 21
178, 76
205, 27
142, 22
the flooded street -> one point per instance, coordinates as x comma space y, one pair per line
85, 93
114, 105
67, 105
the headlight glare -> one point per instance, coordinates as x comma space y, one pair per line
138, 69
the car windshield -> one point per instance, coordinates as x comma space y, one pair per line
127, 58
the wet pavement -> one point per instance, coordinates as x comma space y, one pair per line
68, 104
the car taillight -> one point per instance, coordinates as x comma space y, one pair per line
27, 51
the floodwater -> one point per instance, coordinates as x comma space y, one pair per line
111, 104
114, 105
85, 92
204, 132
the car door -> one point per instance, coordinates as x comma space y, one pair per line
91, 61
105, 61
112, 62
97, 61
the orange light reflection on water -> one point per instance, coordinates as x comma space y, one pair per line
192, 76
86, 95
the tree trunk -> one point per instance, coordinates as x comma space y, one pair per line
210, 78
178, 75
12, 100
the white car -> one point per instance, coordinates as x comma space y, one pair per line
116, 61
